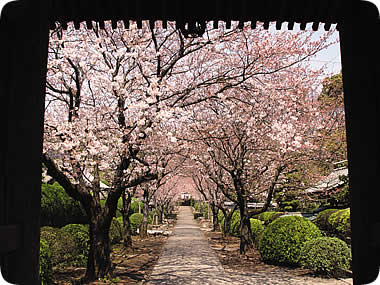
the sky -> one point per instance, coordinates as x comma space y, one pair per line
329, 57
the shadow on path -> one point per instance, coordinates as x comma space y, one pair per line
187, 258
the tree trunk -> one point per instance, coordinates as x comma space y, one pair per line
215, 221
127, 231
99, 261
144, 224
227, 222
246, 238
160, 215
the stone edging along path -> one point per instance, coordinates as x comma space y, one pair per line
187, 258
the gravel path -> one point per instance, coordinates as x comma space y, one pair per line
187, 258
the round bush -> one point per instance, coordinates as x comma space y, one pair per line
282, 240
322, 219
268, 217
58, 208
80, 233
339, 223
116, 230
326, 255
135, 221
62, 245
257, 228
46, 271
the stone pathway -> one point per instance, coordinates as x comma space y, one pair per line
187, 258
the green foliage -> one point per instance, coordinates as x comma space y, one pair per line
110, 280
58, 208
268, 217
326, 255
322, 219
235, 223
135, 221
331, 100
197, 215
197, 206
46, 271
339, 223
80, 233
332, 91
220, 216
116, 230
340, 198
62, 245
135, 206
257, 229
119, 206
282, 240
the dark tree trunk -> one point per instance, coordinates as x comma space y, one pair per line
144, 224
127, 231
246, 238
227, 221
215, 221
160, 215
99, 261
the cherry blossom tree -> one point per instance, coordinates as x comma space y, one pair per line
164, 199
211, 193
117, 98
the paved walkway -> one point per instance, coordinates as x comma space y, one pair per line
187, 258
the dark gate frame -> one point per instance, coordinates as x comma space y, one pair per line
24, 29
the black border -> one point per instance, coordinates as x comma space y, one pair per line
24, 29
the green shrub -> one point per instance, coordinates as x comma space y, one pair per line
257, 228
80, 233
197, 215
235, 223
134, 208
119, 206
282, 240
220, 216
339, 223
46, 271
326, 255
322, 219
116, 230
58, 208
61, 243
135, 221
197, 207
268, 217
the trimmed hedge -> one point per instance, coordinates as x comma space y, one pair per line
135, 221
257, 229
322, 219
339, 223
335, 222
46, 271
282, 240
80, 234
116, 230
58, 208
235, 223
268, 217
61, 243
327, 255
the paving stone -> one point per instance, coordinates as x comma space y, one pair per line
187, 258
